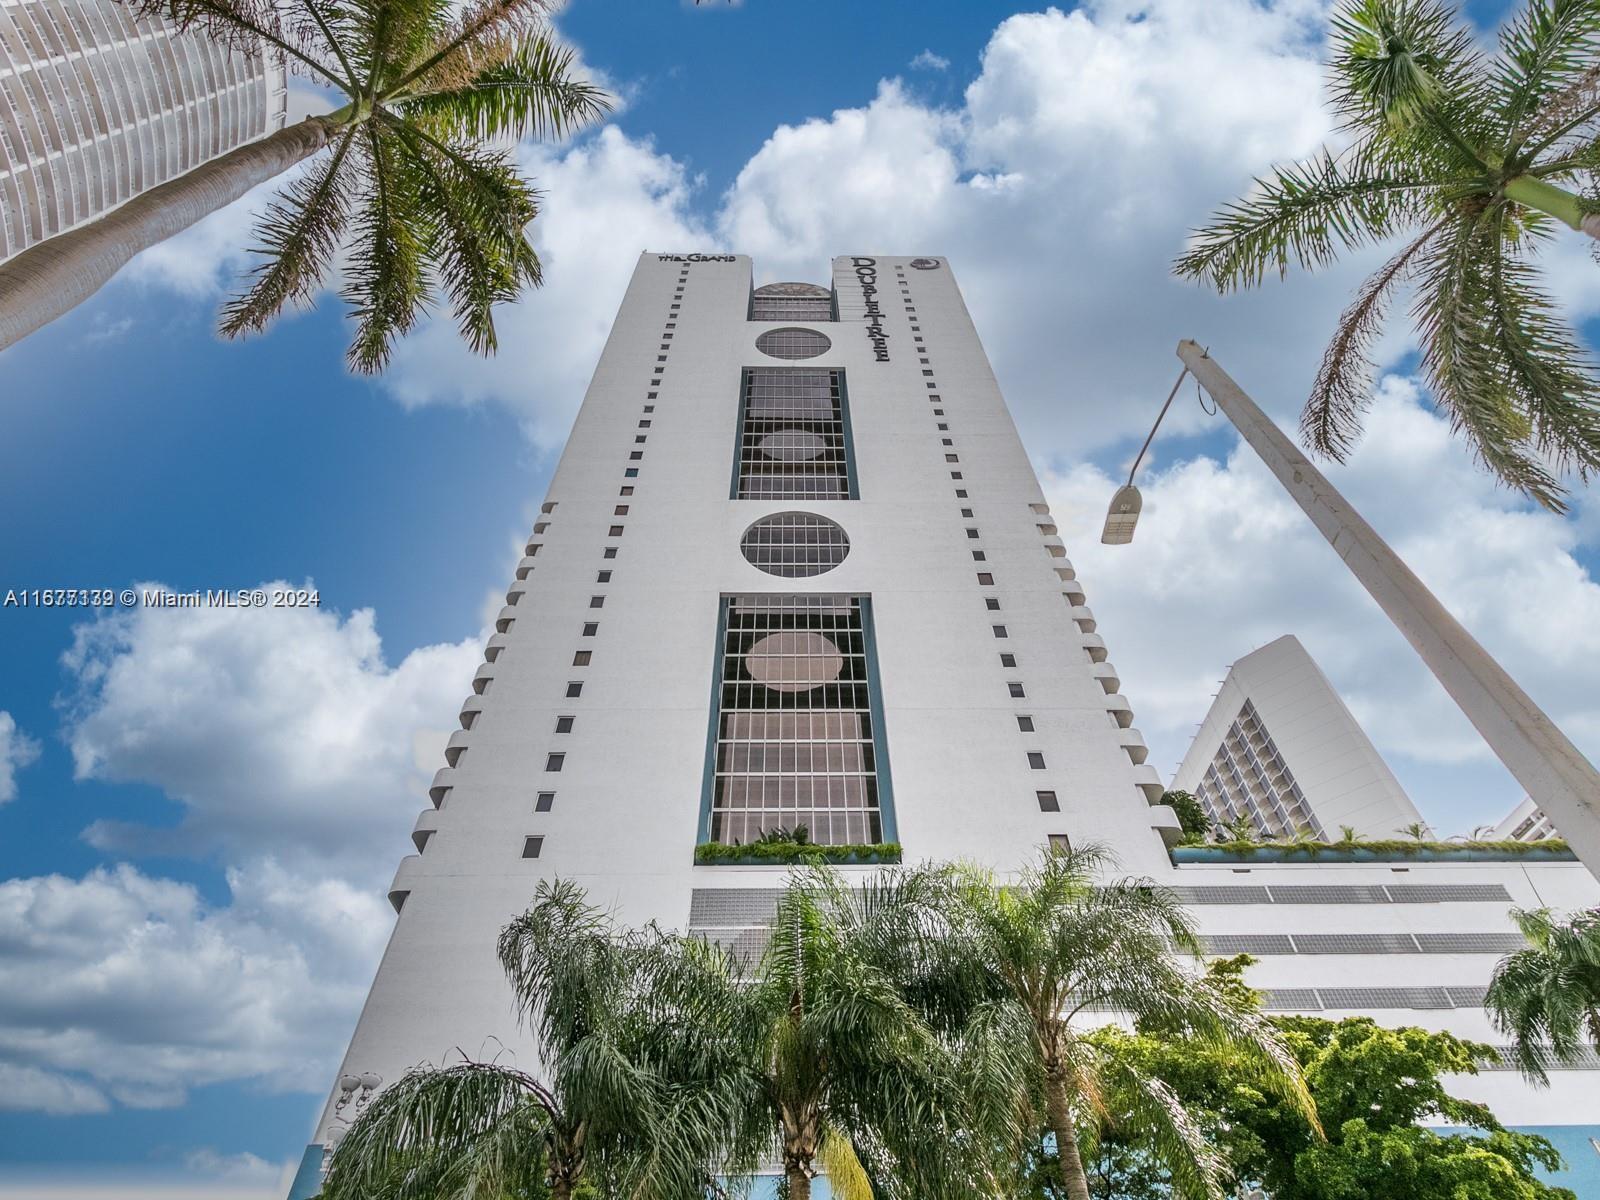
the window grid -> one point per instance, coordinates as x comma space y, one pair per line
795, 737
794, 545
793, 343
792, 441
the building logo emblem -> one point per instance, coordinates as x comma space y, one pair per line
924, 264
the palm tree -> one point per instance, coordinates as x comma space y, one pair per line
598, 1108
399, 176
822, 1063
1042, 954
1475, 160
1547, 997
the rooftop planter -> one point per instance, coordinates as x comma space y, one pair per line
777, 854
1390, 850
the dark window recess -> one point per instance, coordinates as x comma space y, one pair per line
609, 552
544, 802
603, 577
991, 604
616, 531
966, 512
961, 493
792, 436
1008, 660
639, 439
574, 689
597, 601
1016, 691
564, 724
625, 490
1060, 843
1035, 760
531, 847
952, 458
1025, 724
630, 473
582, 657
972, 533
635, 455
979, 556
986, 578
590, 628
1048, 802
554, 762
620, 510
1000, 631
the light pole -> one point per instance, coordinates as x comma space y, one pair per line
1558, 778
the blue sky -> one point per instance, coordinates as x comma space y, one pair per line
138, 447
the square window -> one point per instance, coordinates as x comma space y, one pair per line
620, 510
952, 458
635, 455
938, 412
1060, 844
986, 578
916, 327
590, 628
531, 847
661, 358
582, 657
616, 531
966, 512
946, 442
991, 603
649, 408
1048, 802
645, 424
1025, 724
931, 384
1035, 761
979, 556
625, 490
639, 439
603, 577
544, 802
672, 324
1008, 660
597, 601
554, 762
956, 475
943, 425
575, 689
630, 473
1000, 631
1016, 691
961, 493
650, 396
971, 533
610, 552
564, 724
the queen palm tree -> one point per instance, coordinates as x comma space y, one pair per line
1036, 958
599, 1106
1547, 997
399, 177
1477, 161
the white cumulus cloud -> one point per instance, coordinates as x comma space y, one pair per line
17, 750
929, 61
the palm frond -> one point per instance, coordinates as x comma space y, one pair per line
1547, 48
1331, 420
482, 23
385, 285
1304, 214
297, 238
527, 87
846, 1178
1547, 997
1151, 1111
244, 25
1395, 60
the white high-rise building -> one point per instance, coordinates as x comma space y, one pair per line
1280, 749
1524, 823
795, 568
96, 107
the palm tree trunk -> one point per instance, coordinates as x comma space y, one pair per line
1553, 201
1073, 1178
799, 1182
59, 273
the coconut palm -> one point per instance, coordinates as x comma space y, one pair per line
824, 1066
599, 1107
1547, 997
1038, 957
1477, 161
398, 177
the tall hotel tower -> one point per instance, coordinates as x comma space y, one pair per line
96, 107
795, 568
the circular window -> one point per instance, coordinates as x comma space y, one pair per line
793, 445
795, 545
790, 342
794, 660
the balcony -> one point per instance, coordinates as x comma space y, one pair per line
525, 568
506, 619
1073, 591
456, 747
405, 876
1150, 783
1084, 616
497, 643
1165, 822
1095, 645
427, 825
482, 678
514, 595
1119, 708
1132, 741
443, 780
1054, 548
1106, 673
470, 708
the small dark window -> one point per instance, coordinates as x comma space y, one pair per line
1016, 691
597, 601
636, 456
955, 474
554, 761
575, 687
650, 396
991, 603
544, 802
986, 578
979, 556
590, 628
531, 847
1035, 760
603, 577
966, 512
938, 412
582, 657
952, 458
616, 531
649, 408
639, 439
564, 724
625, 490
1048, 802
946, 442
644, 424
961, 493
630, 473
1025, 724
972, 533
1060, 843
610, 552
1008, 660
620, 510
1000, 631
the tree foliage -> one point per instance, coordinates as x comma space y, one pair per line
1547, 997
1473, 160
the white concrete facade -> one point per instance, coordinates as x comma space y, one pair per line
1280, 748
1524, 823
942, 479
96, 107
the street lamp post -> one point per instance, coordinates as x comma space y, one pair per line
1556, 776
